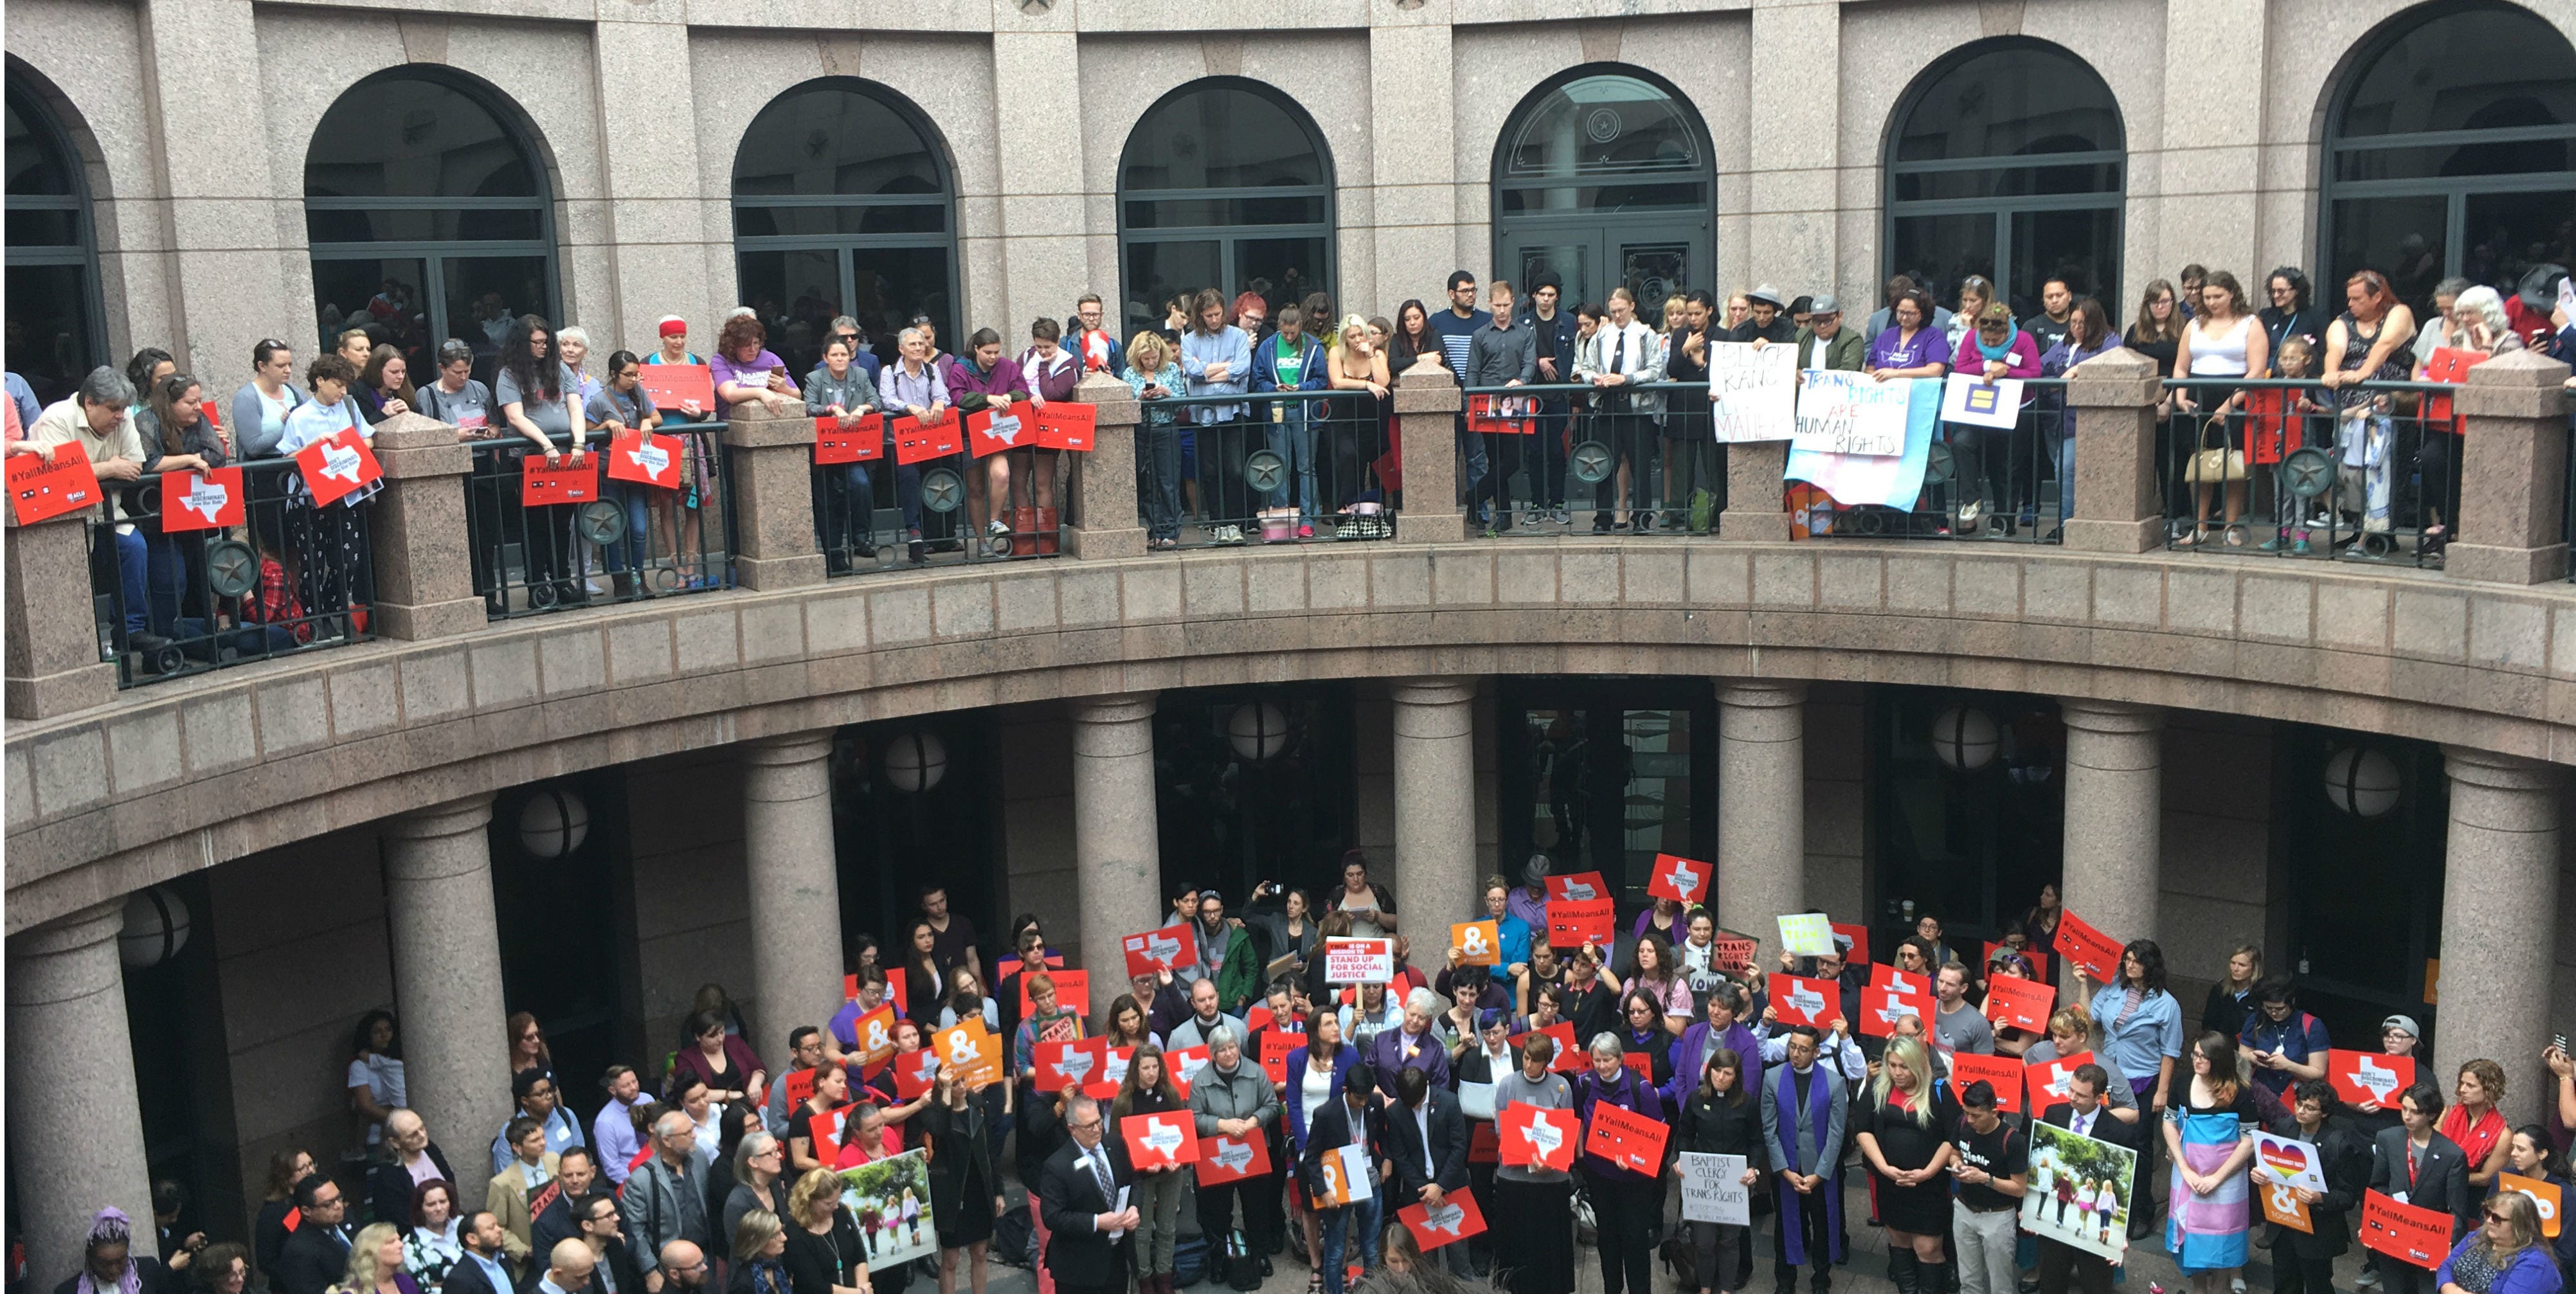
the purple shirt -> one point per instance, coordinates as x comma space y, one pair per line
1530, 910
1387, 1054
754, 374
1890, 350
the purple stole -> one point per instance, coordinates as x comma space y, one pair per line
1820, 1112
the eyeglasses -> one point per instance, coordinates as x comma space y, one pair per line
2493, 1216
1084, 1127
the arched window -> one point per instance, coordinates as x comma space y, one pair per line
429, 216
2007, 161
2451, 150
1224, 184
1604, 178
843, 205
53, 310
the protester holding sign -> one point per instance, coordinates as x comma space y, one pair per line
1316, 1075
841, 390
2064, 1256
1902, 1129
1337, 1126
1232, 1097
963, 1185
1994, 351
2303, 1261
1627, 1205
1532, 1214
2535, 1159
1719, 1117
2503, 1256
2141, 1026
1513, 935
1148, 1090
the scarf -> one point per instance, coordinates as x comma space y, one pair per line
1819, 1112
1996, 353
2129, 1004
110, 1227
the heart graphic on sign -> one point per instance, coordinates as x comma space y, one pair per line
339, 460
207, 498
1807, 1001
651, 457
1682, 878
1164, 1139
1074, 1064
1444, 1217
1234, 1156
2288, 1161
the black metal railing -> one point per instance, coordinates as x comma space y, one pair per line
2011, 482
1556, 458
187, 584
876, 511
2295, 468
1265, 467
610, 540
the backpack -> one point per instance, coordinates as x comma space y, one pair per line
1190, 1261
1015, 1237
1244, 1269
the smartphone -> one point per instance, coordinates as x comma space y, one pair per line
2559, 1041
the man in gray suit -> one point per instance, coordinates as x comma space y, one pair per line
1803, 1105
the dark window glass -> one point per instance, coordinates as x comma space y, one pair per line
829, 139
53, 332
34, 165
1193, 213
1604, 125
422, 225
410, 137
44, 227
1603, 199
2011, 101
1221, 137
810, 222
2497, 157
2467, 70
2006, 182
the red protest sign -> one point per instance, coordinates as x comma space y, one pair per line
1183, 1064
1572, 923
39, 489
1884, 976
2046, 1079
1231, 1159
1275, 1046
2019, 1003
2038, 960
214, 412
860, 442
849, 988
1484, 1146
1455, 1218
800, 1087
1860, 941
1535, 1138
914, 1072
1582, 887
1160, 950
2368, 1080
1071, 1063
1626, 1138
2448, 364
2409, 1233
689, 388
1881, 1008
2087, 949
1806, 1001
1065, 424
207, 501
916, 441
1256, 1019
1639, 1064
1160, 1140
337, 466
894, 988
640, 456
1731, 952
824, 1130
1567, 1060
540, 485
1502, 415
1072, 990
2003, 1072
1683, 880
991, 431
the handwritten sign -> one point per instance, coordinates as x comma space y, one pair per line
2411, 1234
1752, 392
1359, 961
1807, 934
1479, 943
640, 456
201, 501
1966, 398
1066, 424
1537, 1138
1848, 413
1683, 880
689, 388
2018, 1003
2087, 949
1732, 952
40, 490
1453, 1219
2367, 1080
1713, 1190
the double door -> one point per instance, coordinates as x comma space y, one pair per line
1651, 258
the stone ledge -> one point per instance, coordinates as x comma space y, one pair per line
272, 753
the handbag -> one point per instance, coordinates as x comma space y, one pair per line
2210, 466
1587, 1229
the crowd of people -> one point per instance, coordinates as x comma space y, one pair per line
721, 1165
1600, 372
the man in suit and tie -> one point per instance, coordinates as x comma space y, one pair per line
2084, 1112
553, 1210
2413, 1164
486, 1266
317, 1255
1426, 1137
1078, 1198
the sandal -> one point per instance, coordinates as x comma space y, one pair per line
1315, 1281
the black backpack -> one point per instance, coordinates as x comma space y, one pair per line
1244, 1269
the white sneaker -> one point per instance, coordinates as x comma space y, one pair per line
1969, 512
997, 527
2235, 1285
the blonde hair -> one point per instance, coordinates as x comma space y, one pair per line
1917, 1060
816, 1185
1151, 343
753, 1234
362, 1274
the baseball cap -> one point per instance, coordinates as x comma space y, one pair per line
1823, 303
2403, 1023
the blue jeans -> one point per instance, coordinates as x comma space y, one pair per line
166, 576
1292, 438
635, 548
133, 578
2064, 453
1366, 1214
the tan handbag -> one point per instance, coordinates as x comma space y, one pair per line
2214, 466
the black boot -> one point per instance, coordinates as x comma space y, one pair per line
1931, 1278
1903, 1270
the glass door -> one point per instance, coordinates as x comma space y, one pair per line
1604, 775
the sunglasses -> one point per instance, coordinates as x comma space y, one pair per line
2493, 1216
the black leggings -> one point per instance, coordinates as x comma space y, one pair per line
2441, 483
1626, 1215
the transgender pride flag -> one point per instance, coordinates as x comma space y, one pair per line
1889, 480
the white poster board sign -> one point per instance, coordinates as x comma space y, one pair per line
1359, 961
1848, 413
1713, 1189
1980, 403
1752, 394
